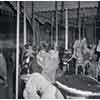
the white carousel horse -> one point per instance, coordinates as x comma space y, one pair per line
77, 55
93, 64
81, 53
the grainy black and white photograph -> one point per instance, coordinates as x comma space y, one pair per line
49, 50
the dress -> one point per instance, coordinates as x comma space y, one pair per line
38, 87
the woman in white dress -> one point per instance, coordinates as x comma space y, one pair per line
40, 86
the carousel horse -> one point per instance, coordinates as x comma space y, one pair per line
82, 55
85, 53
26, 69
93, 64
77, 54
28, 55
89, 58
67, 57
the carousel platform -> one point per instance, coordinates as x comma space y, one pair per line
78, 86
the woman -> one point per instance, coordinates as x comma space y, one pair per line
41, 86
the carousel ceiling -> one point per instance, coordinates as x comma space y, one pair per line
47, 6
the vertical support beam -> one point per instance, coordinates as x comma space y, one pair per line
17, 46
62, 12
52, 23
56, 23
83, 22
79, 21
38, 35
25, 39
83, 27
33, 24
95, 30
73, 32
66, 31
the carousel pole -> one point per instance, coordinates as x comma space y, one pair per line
84, 22
52, 23
83, 25
62, 12
66, 32
73, 31
95, 30
25, 25
38, 36
17, 46
33, 24
56, 24
79, 21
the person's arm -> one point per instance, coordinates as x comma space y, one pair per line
30, 91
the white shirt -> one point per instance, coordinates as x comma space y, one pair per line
39, 82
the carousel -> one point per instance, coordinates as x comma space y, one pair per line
76, 84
